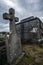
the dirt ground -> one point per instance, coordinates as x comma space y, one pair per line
33, 55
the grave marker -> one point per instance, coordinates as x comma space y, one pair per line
13, 43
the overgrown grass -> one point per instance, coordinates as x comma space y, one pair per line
32, 52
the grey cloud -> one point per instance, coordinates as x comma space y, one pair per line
27, 8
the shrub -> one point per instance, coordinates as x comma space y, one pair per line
41, 44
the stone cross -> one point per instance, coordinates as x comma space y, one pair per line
14, 42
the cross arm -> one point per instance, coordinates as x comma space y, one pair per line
6, 16
16, 19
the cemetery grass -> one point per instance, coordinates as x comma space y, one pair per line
33, 55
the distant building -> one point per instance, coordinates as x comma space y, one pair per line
29, 29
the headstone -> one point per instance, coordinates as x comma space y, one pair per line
13, 43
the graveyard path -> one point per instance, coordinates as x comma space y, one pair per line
33, 55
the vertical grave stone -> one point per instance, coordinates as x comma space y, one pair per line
13, 44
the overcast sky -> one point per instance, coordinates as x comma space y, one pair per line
23, 9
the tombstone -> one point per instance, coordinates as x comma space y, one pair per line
13, 44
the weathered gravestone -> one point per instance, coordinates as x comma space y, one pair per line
13, 43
